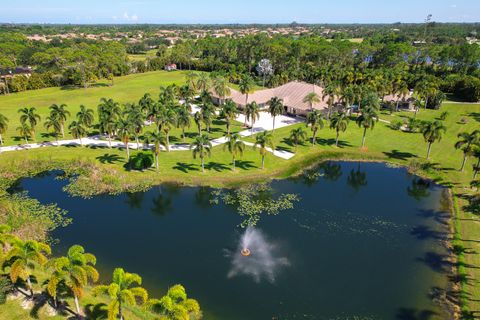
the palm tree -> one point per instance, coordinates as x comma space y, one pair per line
476, 168
203, 82
75, 270
402, 91
297, 136
124, 130
432, 132
3, 127
311, 98
183, 120
146, 103
467, 143
108, 112
175, 305
246, 86
339, 122
201, 147
77, 130
221, 88
122, 291
24, 131
275, 108
235, 146
29, 115
137, 120
191, 79
315, 121
166, 118
198, 118
367, 120
158, 140
263, 141
52, 122
60, 113
229, 113
23, 258
331, 92
207, 110
252, 113
85, 116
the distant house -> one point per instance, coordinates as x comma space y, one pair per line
404, 102
12, 72
171, 67
292, 94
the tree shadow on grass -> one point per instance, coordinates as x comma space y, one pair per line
399, 155
331, 142
475, 115
95, 312
245, 165
216, 166
109, 158
98, 147
185, 167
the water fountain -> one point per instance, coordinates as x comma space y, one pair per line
256, 257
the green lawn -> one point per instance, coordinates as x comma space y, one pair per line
143, 56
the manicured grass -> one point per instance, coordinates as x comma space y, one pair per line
143, 56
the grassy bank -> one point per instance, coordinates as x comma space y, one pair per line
103, 170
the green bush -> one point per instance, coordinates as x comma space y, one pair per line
396, 124
141, 161
6, 287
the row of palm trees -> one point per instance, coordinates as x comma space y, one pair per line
69, 275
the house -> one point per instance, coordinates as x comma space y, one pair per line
292, 94
12, 72
404, 102
171, 67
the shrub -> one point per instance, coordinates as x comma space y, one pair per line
396, 124
6, 287
467, 89
141, 161
443, 116
463, 120
414, 125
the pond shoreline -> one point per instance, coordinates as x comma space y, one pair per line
449, 301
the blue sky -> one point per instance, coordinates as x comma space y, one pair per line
238, 11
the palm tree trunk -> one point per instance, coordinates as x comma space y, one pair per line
109, 140
336, 141
128, 151
426, 102
183, 134
77, 305
364, 135
234, 164
428, 150
273, 124
62, 130
1, 140
29, 284
120, 313
203, 165
81, 142
26, 140
314, 138
168, 142
156, 161
138, 142
263, 162
464, 162
476, 169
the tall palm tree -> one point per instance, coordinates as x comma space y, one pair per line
202, 147
252, 113
158, 140
264, 140
85, 116
432, 131
207, 110
136, 118
77, 130
60, 113
124, 290
315, 121
3, 127
54, 123
275, 108
221, 88
184, 120
367, 119
175, 305
29, 115
402, 91
297, 136
191, 80
246, 86
467, 143
203, 82
331, 92
124, 130
339, 122
476, 168
108, 112
229, 113
166, 119
24, 131
311, 98
235, 146
23, 258
198, 118
146, 103
75, 271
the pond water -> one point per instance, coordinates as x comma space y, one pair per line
364, 242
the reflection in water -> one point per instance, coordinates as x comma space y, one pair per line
162, 203
203, 197
357, 179
264, 259
331, 171
419, 189
135, 200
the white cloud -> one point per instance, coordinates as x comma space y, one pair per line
134, 17
128, 17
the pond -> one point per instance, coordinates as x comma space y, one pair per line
363, 242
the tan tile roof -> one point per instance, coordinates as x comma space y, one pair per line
291, 93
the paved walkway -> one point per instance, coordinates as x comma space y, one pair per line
264, 123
